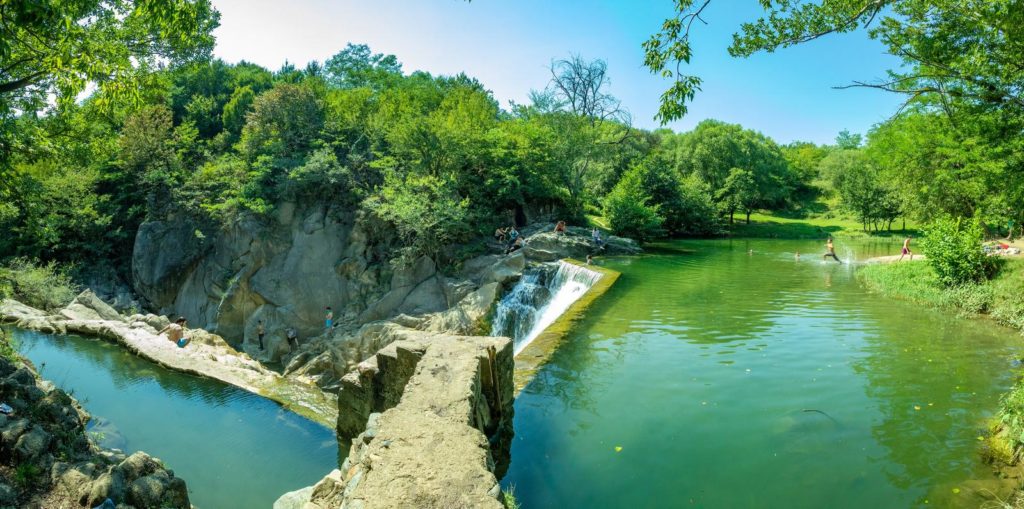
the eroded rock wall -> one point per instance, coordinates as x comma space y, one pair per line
283, 271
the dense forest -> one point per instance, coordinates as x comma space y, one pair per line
170, 133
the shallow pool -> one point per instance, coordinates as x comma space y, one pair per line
234, 449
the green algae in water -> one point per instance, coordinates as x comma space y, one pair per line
233, 448
700, 366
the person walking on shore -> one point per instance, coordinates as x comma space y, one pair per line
906, 250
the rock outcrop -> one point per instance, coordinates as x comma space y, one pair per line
206, 355
429, 422
283, 271
47, 460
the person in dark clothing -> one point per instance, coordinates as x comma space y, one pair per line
260, 332
292, 336
515, 246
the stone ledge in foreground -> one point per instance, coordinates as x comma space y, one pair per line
437, 427
206, 355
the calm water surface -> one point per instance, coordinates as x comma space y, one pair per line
731, 380
234, 449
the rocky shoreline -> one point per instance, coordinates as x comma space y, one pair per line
206, 355
48, 461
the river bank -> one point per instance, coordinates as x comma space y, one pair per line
48, 459
1002, 300
206, 355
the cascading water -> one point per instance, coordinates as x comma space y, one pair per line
538, 299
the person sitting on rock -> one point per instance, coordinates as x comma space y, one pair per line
515, 246
176, 332
560, 228
513, 235
499, 235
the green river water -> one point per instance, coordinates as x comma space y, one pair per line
734, 380
234, 449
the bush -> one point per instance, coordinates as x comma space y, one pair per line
40, 286
953, 248
426, 211
628, 211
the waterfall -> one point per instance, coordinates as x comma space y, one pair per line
538, 299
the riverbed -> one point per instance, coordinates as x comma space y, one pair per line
234, 449
730, 373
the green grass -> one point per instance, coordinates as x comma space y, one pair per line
775, 226
509, 498
781, 227
999, 298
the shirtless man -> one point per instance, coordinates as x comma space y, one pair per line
175, 331
830, 250
906, 250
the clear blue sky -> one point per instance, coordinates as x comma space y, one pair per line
508, 45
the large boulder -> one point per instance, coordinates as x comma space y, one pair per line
87, 306
547, 246
283, 271
163, 254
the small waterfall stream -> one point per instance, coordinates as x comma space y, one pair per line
538, 299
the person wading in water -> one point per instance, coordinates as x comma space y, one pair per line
830, 250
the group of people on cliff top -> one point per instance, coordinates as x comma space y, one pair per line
511, 240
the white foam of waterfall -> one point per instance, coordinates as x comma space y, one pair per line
536, 302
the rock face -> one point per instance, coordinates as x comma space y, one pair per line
46, 459
284, 272
429, 424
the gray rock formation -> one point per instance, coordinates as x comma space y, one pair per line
47, 460
284, 272
429, 422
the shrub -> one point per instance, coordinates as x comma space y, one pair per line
426, 211
628, 211
953, 248
41, 286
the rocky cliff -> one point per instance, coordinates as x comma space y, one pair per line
47, 460
285, 272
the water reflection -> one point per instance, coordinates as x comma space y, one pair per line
234, 449
701, 371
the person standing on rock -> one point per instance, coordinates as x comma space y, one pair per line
329, 318
292, 337
175, 331
260, 332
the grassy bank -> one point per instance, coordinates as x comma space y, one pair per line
1000, 299
770, 226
